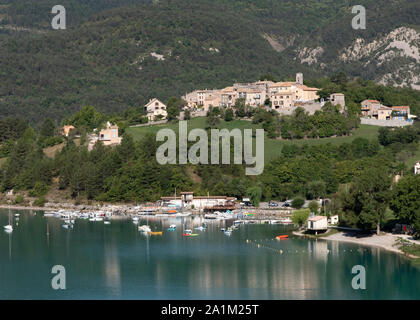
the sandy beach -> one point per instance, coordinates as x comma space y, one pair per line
385, 240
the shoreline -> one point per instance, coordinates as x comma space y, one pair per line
385, 241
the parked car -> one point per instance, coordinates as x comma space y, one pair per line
286, 205
273, 204
246, 204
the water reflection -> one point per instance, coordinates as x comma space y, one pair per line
112, 269
117, 261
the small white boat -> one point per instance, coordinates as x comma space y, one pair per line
17, 215
211, 216
96, 219
286, 221
181, 215
49, 214
135, 218
84, 216
144, 228
9, 227
107, 222
201, 228
67, 226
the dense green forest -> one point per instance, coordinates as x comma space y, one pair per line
356, 176
105, 67
104, 57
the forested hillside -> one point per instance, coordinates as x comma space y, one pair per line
118, 54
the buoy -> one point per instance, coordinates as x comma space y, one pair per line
281, 251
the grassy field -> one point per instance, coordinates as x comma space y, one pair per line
272, 147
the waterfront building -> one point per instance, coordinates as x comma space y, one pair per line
333, 219
318, 223
189, 201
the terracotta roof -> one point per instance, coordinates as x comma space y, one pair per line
317, 218
227, 89
376, 101
306, 88
283, 84
154, 100
251, 90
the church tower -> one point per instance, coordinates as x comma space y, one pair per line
299, 78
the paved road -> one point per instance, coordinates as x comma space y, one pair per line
264, 205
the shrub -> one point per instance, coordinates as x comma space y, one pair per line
229, 115
19, 199
313, 206
40, 189
40, 202
300, 216
298, 202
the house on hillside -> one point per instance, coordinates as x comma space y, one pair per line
384, 113
109, 135
401, 112
370, 108
203, 98
228, 97
338, 99
417, 168
65, 131
156, 109
305, 93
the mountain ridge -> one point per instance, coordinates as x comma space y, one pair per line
135, 50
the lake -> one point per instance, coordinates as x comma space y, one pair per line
117, 261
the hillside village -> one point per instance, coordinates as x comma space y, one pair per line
282, 97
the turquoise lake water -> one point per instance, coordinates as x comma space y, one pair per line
116, 261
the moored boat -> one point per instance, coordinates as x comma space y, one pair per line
144, 228
155, 233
